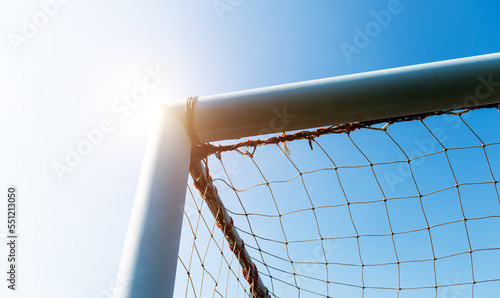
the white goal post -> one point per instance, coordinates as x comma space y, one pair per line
149, 257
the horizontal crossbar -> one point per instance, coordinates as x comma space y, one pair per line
409, 90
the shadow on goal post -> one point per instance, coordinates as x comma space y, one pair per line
379, 184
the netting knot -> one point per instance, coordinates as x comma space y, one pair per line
311, 139
218, 153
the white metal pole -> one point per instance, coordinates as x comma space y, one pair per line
149, 258
366, 96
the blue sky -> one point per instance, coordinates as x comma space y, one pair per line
76, 71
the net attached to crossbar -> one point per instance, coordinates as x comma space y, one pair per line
403, 207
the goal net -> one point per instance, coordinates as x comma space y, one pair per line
402, 207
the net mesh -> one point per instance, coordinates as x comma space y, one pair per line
405, 207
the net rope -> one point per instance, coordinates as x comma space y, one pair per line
400, 207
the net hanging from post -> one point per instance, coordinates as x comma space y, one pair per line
401, 207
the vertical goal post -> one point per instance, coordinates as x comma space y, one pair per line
149, 257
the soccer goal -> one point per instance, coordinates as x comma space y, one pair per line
380, 184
